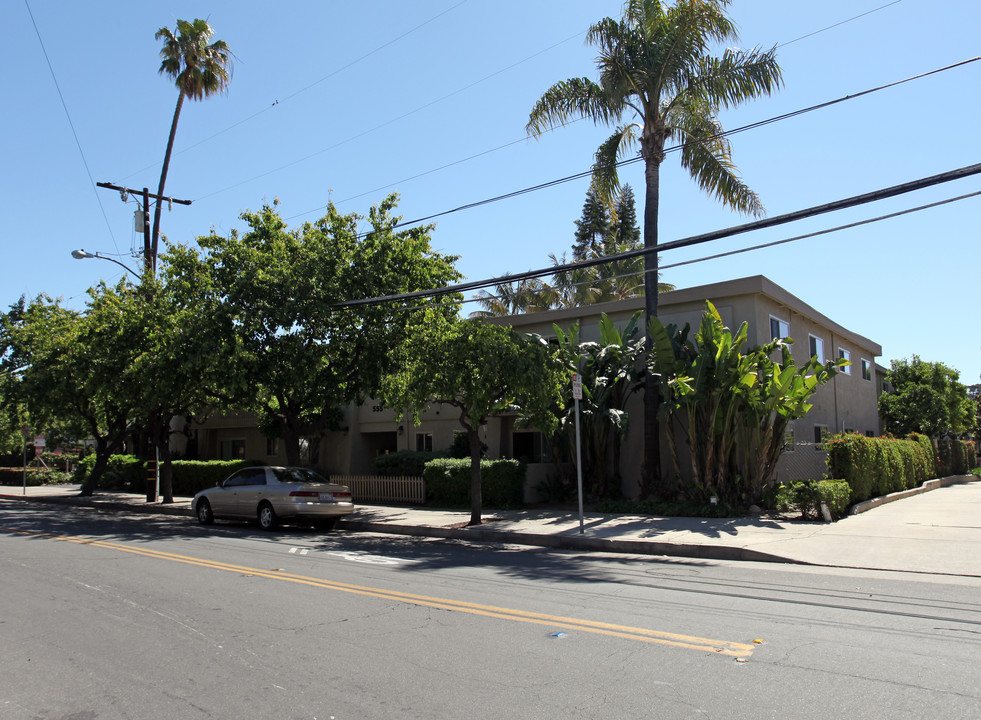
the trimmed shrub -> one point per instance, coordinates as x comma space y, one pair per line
404, 463
35, 477
502, 483
124, 473
807, 496
879, 466
191, 476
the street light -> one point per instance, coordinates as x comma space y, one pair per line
82, 254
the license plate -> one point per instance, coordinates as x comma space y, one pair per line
327, 497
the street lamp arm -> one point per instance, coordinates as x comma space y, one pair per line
82, 254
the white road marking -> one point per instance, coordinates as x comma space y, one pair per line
370, 559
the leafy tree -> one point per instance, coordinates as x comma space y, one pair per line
268, 298
77, 368
731, 405
611, 370
927, 398
657, 83
480, 369
200, 68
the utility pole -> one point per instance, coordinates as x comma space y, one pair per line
150, 267
149, 256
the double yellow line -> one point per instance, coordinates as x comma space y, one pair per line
721, 647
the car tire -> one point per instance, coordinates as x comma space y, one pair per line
204, 513
267, 517
326, 524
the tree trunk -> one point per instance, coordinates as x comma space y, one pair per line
101, 463
651, 469
475, 499
151, 262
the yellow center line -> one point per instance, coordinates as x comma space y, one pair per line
722, 647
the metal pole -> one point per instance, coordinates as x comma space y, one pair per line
25, 467
579, 466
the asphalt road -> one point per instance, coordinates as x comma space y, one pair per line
113, 616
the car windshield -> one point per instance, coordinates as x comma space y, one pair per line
298, 475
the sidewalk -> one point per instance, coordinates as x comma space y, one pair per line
937, 531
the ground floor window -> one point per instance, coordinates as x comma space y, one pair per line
232, 449
529, 447
820, 436
424, 442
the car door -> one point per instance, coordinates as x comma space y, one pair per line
250, 490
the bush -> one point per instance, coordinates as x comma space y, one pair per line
879, 466
807, 496
124, 473
404, 463
502, 483
191, 476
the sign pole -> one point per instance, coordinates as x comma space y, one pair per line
577, 394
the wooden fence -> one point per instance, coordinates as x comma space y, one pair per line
375, 488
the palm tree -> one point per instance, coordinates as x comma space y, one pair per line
657, 83
199, 70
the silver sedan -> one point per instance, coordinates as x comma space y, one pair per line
271, 494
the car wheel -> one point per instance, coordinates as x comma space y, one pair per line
326, 524
267, 516
205, 516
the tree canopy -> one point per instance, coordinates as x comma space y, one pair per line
480, 369
926, 398
268, 296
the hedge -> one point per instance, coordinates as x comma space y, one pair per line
502, 483
404, 463
879, 466
956, 457
35, 477
126, 473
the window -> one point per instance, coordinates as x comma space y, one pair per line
845, 355
778, 328
272, 446
788, 439
529, 447
248, 476
424, 442
815, 346
232, 450
866, 369
820, 436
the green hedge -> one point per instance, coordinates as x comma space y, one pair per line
192, 476
126, 473
956, 457
879, 466
502, 483
807, 496
404, 463
35, 477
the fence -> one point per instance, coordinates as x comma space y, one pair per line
376, 488
802, 461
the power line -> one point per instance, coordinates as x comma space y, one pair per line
292, 95
68, 115
837, 24
761, 246
387, 123
630, 161
853, 201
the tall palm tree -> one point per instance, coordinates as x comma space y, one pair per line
199, 69
659, 82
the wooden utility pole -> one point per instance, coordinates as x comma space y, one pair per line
149, 251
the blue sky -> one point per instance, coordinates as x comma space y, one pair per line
430, 98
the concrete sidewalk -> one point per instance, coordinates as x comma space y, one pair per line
938, 531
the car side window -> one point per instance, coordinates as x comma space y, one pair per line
248, 476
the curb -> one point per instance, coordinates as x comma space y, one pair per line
925, 487
573, 542
478, 534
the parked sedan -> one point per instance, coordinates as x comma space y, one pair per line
271, 494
